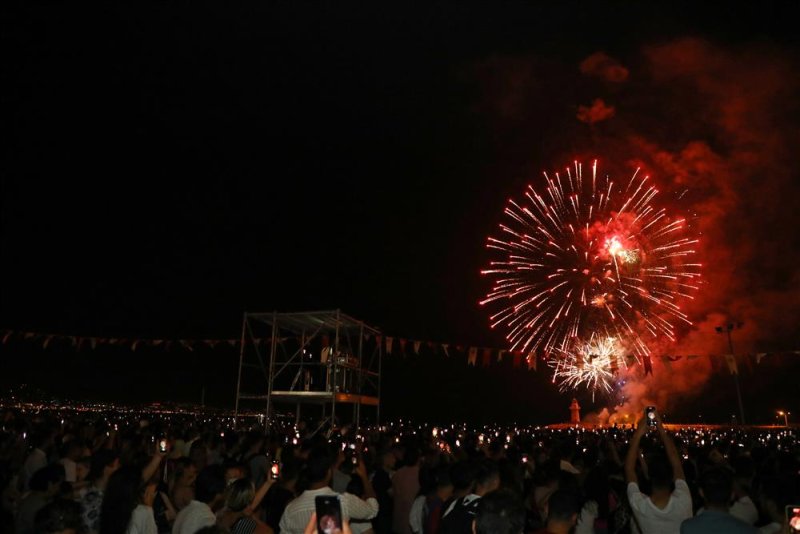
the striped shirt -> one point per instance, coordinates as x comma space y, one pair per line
298, 512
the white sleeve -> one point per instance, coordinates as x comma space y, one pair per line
635, 496
357, 508
586, 519
683, 497
142, 521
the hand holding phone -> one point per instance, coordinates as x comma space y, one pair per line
793, 517
650, 413
162, 445
275, 471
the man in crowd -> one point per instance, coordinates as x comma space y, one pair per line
382, 483
716, 488
45, 485
663, 511
561, 509
319, 470
405, 488
104, 463
209, 489
458, 517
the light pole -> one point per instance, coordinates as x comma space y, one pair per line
727, 329
785, 417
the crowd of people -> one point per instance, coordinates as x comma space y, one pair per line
93, 473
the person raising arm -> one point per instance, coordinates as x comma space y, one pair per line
665, 508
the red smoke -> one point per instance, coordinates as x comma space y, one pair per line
601, 65
597, 112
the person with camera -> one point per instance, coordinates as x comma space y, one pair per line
670, 500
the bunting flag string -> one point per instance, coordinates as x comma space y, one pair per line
420, 348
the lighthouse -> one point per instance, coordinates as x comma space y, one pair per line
574, 412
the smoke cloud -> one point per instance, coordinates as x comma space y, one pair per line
597, 112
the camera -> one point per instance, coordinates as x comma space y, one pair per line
275, 470
650, 413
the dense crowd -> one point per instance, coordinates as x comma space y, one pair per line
115, 473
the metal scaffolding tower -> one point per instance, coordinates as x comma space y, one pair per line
320, 358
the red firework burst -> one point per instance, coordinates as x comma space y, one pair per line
590, 256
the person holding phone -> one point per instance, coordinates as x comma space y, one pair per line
319, 470
670, 500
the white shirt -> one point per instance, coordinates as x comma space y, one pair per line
745, 510
195, 516
416, 516
142, 521
588, 514
652, 519
297, 513
70, 469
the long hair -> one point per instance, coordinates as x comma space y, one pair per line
119, 500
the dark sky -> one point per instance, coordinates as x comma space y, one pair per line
169, 165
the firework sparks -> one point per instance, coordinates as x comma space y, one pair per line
593, 364
590, 255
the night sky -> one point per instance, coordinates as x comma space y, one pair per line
169, 165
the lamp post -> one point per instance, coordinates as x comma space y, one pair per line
727, 329
785, 417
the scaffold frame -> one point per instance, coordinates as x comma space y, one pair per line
337, 359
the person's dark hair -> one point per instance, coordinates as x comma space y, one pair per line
441, 477
427, 479
100, 460
562, 506
57, 516
68, 446
496, 447
120, 498
499, 512
660, 471
356, 486
290, 470
412, 455
717, 486
320, 460
49, 474
485, 472
463, 475
239, 495
210, 483
597, 490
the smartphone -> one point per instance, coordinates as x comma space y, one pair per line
524, 458
275, 471
650, 412
162, 445
793, 517
329, 514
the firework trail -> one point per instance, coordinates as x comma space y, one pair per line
589, 255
